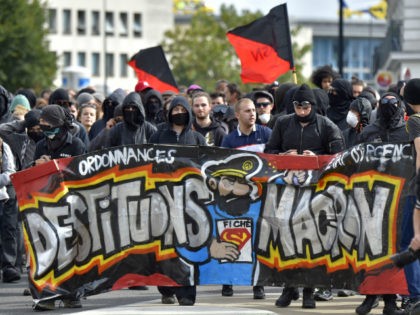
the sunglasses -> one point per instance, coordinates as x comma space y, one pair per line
220, 109
302, 105
262, 104
390, 101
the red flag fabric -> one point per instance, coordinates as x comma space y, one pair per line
152, 69
264, 47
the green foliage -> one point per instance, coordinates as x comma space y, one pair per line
200, 52
25, 60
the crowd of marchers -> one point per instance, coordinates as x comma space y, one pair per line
278, 119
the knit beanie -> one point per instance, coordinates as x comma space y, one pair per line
29, 94
412, 92
84, 98
54, 115
304, 93
19, 100
32, 118
58, 95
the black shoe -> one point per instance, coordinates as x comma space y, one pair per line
168, 299
286, 297
26, 292
258, 292
345, 293
186, 301
72, 303
323, 295
308, 300
10, 274
370, 301
227, 290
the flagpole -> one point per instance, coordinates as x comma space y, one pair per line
294, 76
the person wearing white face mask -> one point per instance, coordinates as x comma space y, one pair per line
357, 118
264, 103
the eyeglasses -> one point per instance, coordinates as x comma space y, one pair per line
305, 105
262, 104
390, 101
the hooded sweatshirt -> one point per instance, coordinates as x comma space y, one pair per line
166, 135
5, 101
154, 115
116, 98
124, 133
340, 103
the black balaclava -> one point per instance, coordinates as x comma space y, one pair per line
390, 115
132, 118
305, 93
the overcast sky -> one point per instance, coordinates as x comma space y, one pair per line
296, 8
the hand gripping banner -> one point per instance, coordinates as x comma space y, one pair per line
180, 215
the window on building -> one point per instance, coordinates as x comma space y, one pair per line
109, 65
96, 23
137, 27
123, 65
81, 59
66, 58
109, 23
96, 64
123, 24
81, 22
66, 22
52, 21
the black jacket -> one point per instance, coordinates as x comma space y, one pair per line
378, 132
166, 135
120, 134
213, 134
320, 136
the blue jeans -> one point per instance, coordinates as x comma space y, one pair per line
412, 271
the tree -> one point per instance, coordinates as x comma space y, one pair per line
25, 60
200, 53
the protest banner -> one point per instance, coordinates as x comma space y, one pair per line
183, 215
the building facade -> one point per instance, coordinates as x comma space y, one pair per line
400, 52
94, 39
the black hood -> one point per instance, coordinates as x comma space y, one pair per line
6, 99
134, 99
181, 100
117, 97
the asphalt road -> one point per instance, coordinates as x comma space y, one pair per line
209, 301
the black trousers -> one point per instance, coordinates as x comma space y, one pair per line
180, 292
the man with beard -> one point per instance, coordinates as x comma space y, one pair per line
303, 133
234, 210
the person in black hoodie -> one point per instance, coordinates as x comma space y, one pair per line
113, 100
62, 98
389, 125
340, 96
153, 107
177, 130
134, 129
204, 123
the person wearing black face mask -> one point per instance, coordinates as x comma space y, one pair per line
389, 125
304, 132
133, 129
153, 107
177, 130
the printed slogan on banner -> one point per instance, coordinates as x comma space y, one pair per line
172, 215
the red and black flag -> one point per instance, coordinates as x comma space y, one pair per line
152, 67
264, 46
